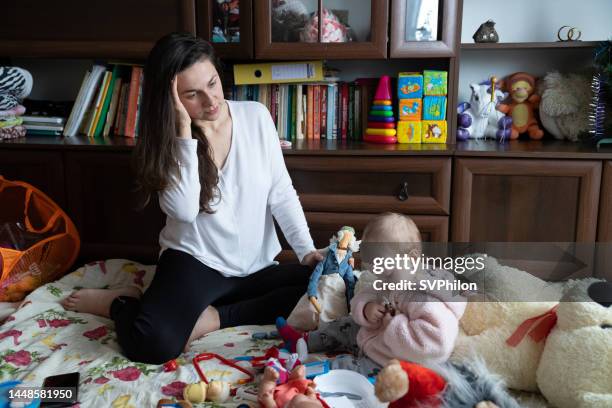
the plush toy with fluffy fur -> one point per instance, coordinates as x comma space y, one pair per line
529, 343
487, 323
580, 347
564, 107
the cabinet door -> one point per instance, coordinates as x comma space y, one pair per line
349, 29
604, 234
228, 25
323, 225
499, 200
424, 28
410, 185
76, 28
100, 192
43, 170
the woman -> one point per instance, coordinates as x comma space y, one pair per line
220, 177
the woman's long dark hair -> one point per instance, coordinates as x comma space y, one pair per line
154, 158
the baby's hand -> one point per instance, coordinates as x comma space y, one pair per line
387, 319
374, 312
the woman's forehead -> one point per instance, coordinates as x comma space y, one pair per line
199, 74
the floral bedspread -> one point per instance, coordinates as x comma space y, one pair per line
41, 339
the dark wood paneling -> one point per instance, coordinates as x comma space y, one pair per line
525, 200
362, 184
375, 48
43, 170
64, 29
604, 232
100, 192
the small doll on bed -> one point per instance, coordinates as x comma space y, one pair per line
280, 388
331, 284
412, 325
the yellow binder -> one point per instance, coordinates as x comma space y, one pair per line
278, 72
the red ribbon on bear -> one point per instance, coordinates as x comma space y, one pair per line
538, 328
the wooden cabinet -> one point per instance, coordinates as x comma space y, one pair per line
515, 200
323, 225
410, 185
228, 26
349, 29
103, 207
604, 232
605, 211
44, 170
123, 29
424, 29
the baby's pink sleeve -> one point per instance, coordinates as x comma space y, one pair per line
424, 331
358, 304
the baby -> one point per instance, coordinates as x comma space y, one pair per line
411, 325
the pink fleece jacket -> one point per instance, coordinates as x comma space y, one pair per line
423, 330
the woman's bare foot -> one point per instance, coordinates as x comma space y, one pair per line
97, 301
207, 322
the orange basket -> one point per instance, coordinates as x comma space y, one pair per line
38, 241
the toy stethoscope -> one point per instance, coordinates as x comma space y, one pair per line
211, 356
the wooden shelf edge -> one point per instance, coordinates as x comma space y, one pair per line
529, 45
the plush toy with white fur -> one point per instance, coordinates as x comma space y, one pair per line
564, 108
488, 323
480, 119
580, 347
529, 343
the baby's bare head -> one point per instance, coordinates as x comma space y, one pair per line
391, 227
388, 235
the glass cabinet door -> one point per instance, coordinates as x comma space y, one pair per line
426, 28
346, 29
227, 24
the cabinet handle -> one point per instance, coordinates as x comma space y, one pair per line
403, 194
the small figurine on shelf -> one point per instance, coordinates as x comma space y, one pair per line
522, 106
486, 33
381, 122
480, 118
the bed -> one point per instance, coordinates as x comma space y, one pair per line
40, 338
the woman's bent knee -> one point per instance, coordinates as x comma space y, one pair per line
152, 349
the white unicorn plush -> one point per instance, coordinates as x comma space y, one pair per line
479, 118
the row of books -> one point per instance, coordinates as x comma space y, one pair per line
108, 102
326, 110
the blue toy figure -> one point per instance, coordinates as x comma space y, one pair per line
339, 260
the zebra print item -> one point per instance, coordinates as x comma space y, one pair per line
8, 101
15, 84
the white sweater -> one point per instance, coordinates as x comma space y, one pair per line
239, 238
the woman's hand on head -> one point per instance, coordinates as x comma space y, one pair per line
183, 120
313, 258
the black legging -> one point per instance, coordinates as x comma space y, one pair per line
156, 328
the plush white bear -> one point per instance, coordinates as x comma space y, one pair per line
572, 366
575, 369
488, 323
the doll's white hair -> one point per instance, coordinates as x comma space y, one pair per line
353, 244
